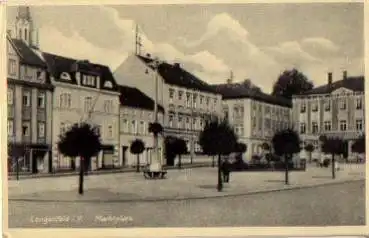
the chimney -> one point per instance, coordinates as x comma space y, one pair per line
148, 56
177, 65
344, 75
330, 78
9, 32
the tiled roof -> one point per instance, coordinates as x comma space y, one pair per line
355, 84
59, 64
27, 55
132, 97
238, 91
175, 75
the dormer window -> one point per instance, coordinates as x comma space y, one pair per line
65, 76
180, 93
108, 84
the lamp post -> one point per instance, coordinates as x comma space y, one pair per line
155, 164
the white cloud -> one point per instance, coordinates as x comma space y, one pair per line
321, 43
291, 52
209, 62
75, 46
220, 23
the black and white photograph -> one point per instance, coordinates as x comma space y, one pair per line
185, 115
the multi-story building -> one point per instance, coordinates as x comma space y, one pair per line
334, 109
187, 100
84, 92
29, 96
136, 113
255, 116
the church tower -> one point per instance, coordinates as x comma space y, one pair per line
24, 25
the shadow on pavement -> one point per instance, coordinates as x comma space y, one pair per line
322, 176
274, 181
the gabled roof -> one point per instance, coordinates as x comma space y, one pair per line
132, 97
26, 54
239, 91
58, 64
175, 75
355, 84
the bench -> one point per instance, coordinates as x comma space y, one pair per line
154, 174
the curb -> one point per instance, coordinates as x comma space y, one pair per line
99, 172
163, 199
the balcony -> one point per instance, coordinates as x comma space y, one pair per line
41, 114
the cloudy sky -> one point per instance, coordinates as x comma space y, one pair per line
255, 41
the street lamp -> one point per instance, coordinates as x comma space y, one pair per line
155, 165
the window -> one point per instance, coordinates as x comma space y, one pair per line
187, 123
108, 106
253, 119
315, 128
180, 122
141, 129
194, 100
41, 100
180, 95
194, 124
65, 100
88, 104
314, 107
201, 99
41, 130
201, 123
98, 129
12, 67
26, 128
327, 105
302, 128
303, 107
327, 125
171, 94
359, 104
188, 99
10, 128
26, 98
207, 101
343, 104
110, 131
62, 128
343, 125
10, 96
171, 120
125, 125
215, 102
359, 125
133, 127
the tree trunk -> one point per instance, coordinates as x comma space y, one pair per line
179, 161
17, 167
310, 158
138, 164
213, 163
220, 184
286, 169
333, 167
81, 173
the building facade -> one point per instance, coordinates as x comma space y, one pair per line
255, 116
29, 99
187, 101
84, 92
136, 113
335, 109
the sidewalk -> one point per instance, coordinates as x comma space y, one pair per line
180, 184
97, 172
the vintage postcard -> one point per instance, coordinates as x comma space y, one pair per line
187, 115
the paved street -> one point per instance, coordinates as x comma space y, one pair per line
188, 197
341, 204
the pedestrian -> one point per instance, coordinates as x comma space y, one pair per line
226, 170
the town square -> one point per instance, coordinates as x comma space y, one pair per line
232, 118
